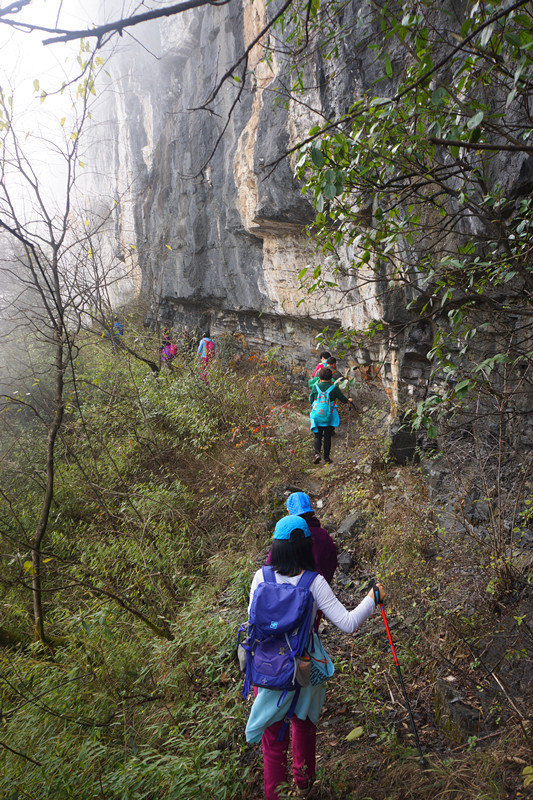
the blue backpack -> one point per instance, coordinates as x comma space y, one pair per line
277, 632
322, 408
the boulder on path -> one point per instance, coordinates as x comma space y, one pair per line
457, 718
345, 561
289, 422
353, 524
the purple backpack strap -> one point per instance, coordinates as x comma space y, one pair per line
290, 713
268, 574
306, 579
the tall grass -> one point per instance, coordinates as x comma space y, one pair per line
157, 517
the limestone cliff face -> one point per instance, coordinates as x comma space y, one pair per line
216, 234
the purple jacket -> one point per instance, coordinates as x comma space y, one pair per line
324, 550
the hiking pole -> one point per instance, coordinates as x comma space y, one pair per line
349, 424
395, 657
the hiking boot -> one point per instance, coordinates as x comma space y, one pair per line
328, 461
316, 459
304, 792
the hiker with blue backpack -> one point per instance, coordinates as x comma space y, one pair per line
282, 655
114, 332
324, 416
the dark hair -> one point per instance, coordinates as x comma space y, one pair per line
325, 354
332, 360
290, 556
325, 374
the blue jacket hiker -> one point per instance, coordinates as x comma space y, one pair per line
323, 396
114, 332
118, 329
206, 351
206, 347
292, 559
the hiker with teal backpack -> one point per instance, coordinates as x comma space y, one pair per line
289, 593
324, 416
336, 378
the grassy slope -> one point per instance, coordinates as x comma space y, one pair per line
164, 491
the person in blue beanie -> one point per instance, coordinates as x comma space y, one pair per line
291, 556
324, 548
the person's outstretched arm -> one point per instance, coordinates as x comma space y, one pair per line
337, 613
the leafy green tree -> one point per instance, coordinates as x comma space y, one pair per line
423, 190
428, 183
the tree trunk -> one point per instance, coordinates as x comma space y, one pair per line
36, 542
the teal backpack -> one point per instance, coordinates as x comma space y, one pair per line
322, 408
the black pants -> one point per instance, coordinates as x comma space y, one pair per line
323, 431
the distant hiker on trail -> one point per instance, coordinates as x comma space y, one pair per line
169, 350
206, 351
331, 364
336, 377
293, 565
324, 548
115, 332
324, 416
323, 362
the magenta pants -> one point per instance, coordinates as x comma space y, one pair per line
205, 367
275, 755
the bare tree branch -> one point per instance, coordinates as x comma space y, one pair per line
14, 8
22, 755
118, 26
511, 148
